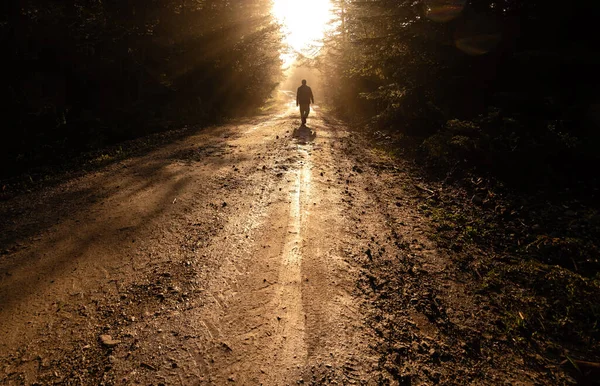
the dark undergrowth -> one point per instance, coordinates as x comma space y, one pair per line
527, 231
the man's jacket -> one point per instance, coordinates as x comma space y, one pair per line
304, 96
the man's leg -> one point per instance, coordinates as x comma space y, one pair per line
304, 110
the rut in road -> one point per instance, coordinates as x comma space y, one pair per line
218, 258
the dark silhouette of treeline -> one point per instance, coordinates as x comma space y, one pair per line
81, 74
499, 85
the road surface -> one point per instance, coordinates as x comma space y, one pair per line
256, 252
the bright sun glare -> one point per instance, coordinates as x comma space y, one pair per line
304, 22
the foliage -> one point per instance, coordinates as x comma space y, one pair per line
542, 151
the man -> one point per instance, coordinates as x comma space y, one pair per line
304, 97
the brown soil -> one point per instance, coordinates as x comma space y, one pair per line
259, 252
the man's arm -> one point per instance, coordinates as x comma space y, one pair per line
297, 93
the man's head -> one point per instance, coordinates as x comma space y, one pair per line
304, 81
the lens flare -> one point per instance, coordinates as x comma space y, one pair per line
478, 34
444, 10
478, 45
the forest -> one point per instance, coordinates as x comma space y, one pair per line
491, 105
491, 83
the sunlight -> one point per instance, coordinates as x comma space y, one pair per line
304, 23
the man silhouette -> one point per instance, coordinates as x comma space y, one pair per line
304, 97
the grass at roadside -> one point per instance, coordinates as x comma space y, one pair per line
535, 257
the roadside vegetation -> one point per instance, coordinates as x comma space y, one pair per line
496, 103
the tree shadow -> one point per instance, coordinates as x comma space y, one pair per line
304, 134
89, 213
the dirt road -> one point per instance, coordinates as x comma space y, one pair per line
259, 252
218, 258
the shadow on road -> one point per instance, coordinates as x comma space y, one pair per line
304, 134
30, 218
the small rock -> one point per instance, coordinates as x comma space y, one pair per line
148, 366
108, 341
433, 353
